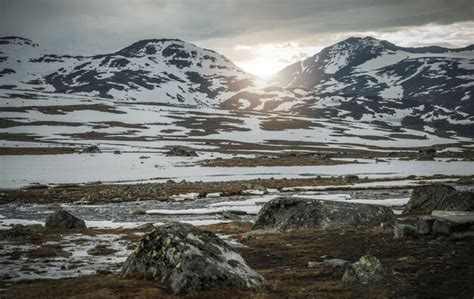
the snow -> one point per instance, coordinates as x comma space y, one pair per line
127, 167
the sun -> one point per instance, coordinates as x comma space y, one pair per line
261, 66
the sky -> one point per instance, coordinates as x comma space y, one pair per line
260, 36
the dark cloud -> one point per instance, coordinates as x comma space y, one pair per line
95, 26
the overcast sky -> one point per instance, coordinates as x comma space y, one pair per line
261, 36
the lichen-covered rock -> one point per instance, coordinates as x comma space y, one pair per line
62, 219
182, 151
402, 231
425, 199
367, 269
457, 201
292, 213
190, 259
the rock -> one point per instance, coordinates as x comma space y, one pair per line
448, 222
425, 199
403, 231
64, 220
24, 232
137, 212
457, 201
254, 192
465, 181
186, 196
285, 213
181, 151
367, 269
229, 215
426, 155
190, 259
338, 264
424, 225
93, 149
213, 195
349, 179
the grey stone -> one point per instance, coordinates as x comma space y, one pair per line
442, 227
93, 149
448, 222
425, 199
190, 259
424, 225
367, 269
229, 215
62, 219
403, 231
182, 151
338, 264
458, 201
285, 213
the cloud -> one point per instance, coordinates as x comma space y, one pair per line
93, 26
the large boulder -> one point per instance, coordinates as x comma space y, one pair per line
291, 213
425, 199
448, 222
62, 219
457, 201
190, 259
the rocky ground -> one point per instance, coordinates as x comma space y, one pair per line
85, 263
428, 266
99, 193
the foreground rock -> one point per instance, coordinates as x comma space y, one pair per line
190, 259
181, 151
62, 219
367, 269
458, 201
289, 213
448, 222
426, 199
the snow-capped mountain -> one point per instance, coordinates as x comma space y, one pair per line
368, 66
366, 79
361, 79
156, 70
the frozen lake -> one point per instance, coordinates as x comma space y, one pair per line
20, 171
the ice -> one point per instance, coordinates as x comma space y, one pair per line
127, 168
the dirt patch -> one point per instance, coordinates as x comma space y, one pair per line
281, 124
36, 150
100, 250
274, 161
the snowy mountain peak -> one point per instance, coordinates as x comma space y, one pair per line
16, 40
161, 70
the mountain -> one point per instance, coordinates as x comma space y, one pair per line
155, 70
371, 80
358, 79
